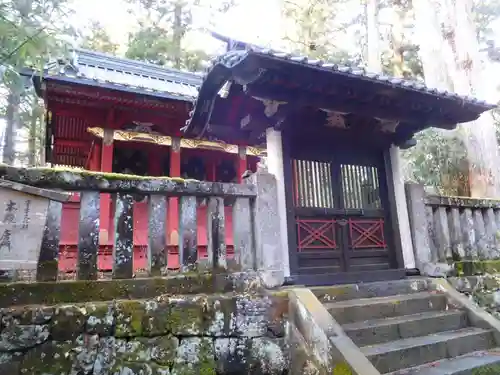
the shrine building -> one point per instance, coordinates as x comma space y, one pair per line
331, 135
122, 116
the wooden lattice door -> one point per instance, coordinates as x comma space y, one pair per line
340, 216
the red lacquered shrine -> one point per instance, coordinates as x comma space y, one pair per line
115, 115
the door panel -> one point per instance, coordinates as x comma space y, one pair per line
339, 215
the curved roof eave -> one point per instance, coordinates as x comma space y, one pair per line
222, 70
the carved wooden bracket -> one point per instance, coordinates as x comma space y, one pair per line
388, 126
335, 119
270, 106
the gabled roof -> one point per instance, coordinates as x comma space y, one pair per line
249, 65
107, 71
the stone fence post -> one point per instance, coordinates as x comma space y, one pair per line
421, 226
266, 226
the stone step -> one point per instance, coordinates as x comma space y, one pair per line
386, 307
467, 364
368, 290
416, 351
378, 331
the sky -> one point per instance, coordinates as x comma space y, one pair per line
247, 21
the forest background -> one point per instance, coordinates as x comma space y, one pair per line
448, 44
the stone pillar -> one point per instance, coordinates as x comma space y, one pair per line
415, 194
106, 166
419, 229
275, 166
267, 230
173, 202
402, 210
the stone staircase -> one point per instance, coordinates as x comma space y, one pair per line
405, 328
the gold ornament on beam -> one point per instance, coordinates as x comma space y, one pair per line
387, 126
165, 140
270, 106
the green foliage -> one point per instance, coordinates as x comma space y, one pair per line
98, 39
487, 370
438, 160
163, 27
30, 33
312, 29
486, 12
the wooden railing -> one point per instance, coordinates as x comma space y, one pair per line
157, 191
450, 229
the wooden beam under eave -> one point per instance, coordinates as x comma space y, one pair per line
300, 98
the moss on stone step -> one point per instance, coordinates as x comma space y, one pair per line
478, 267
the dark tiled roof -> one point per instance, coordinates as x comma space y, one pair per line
234, 57
222, 66
99, 69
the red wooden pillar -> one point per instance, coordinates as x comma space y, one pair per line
106, 166
241, 163
95, 159
173, 206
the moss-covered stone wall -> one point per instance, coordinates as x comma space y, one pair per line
483, 289
230, 333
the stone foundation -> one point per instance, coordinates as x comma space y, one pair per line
198, 334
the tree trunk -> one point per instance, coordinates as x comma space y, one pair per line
431, 45
12, 119
459, 32
398, 64
373, 37
178, 32
33, 133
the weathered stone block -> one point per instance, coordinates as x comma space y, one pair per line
68, 322
157, 318
267, 356
49, 358
241, 282
106, 356
27, 315
132, 351
278, 315
187, 315
163, 349
136, 368
195, 355
84, 353
10, 363
129, 318
100, 318
252, 316
20, 337
231, 355
81, 291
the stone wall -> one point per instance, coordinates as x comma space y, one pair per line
484, 290
458, 234
231, 333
